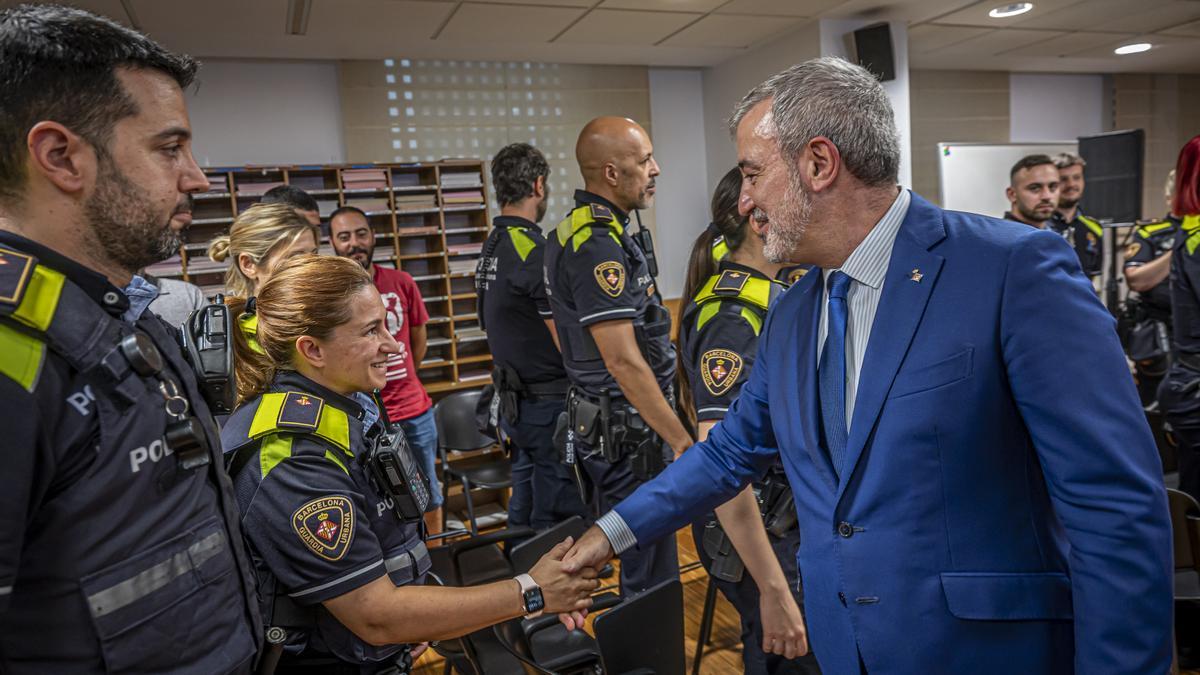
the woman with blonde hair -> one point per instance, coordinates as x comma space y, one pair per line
312, 456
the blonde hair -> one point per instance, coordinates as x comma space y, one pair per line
1169, 188
306, 295
257, 232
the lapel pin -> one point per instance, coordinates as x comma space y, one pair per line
916, 276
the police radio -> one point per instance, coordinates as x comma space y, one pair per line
646, 243
396, 475
207, 341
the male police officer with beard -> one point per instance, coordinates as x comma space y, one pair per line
122, 546
615, 334
530, 382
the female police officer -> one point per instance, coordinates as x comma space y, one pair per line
718, 334
330, 498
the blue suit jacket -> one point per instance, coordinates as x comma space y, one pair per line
1002, 507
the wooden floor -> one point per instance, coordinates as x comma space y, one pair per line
723, 656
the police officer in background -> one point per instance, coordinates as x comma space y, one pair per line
718, 340
1082, 232
1148, 309
531, 384
122, 549
615, 334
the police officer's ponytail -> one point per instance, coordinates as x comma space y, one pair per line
728, 224
306, 295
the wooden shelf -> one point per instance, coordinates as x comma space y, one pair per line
475, 359
419, 256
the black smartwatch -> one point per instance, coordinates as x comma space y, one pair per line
531, 596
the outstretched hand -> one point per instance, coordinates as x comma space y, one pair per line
592, 551
564, 588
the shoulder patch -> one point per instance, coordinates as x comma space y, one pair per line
326, 526
719, 368
795, 274
15, 271
731, 282
610, 276
300, 411
1132, 249
601, 213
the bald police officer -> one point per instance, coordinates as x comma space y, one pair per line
122, 550
615, 334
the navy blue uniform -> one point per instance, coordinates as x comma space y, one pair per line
594, 273
1179, 394
718, 338
1150, 332
315, 525
119, 556
512, 299
1151, 241
1084, 234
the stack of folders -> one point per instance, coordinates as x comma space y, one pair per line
451, 180
364, 179
256, 188
465, 249
418, 201
373, 205
309, 183
466, 266
218, 183
463, 197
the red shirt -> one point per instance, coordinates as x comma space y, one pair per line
403, 396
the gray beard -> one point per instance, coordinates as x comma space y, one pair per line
787, 227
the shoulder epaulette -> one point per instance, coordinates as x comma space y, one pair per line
1191, 227
1150, 227
1092, 224
577, 226
521, 241
301, 412
754, 294
21, 357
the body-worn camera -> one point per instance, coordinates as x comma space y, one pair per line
397, 476
207, 341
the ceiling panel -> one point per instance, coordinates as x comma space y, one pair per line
548, 3
617, 26
779, 7
931, 37
1091, 14
1066, 45
730, 31
1165, 46
977, 13
997, 41
1150, 19
1192, 28
664, 5
495, 23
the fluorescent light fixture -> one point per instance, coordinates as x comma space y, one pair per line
1134, 48
1007, 11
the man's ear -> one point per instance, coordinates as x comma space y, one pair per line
1011, 194
309, 349
612, 175
539, 187
821, 163
61, 156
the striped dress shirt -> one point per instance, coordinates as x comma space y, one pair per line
867, 266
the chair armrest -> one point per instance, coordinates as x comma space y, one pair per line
600, 603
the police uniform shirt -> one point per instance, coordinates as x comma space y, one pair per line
1185, 287
1084, 234
79, 530
1150, 241
313, 523
596, 273
718, 349
514, 302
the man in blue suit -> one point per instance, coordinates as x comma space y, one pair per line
977, 488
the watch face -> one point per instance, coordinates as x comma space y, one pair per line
533, 601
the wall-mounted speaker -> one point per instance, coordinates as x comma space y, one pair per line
872, 49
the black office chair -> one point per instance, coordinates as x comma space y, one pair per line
651, 621
706, 622
455, 417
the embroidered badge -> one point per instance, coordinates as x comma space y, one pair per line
611, 277
326, 526
730, 283
719, 368
15, 270
300, 411
796, 274
601, 213
1132, 249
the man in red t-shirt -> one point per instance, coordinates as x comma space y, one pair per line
405, 399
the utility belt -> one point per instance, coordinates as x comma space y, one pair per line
778, 509
612, 430
501, 400
1145, 333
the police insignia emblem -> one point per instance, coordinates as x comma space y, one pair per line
326, 526
601, 212
300, 411
611, 277
1132, 249
796, 274
15, 270
719, 369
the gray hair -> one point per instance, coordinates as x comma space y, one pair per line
1066, 160
834, 98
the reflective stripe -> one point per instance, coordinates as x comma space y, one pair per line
41, 298
753, 319
335, 582
21, 357
333, 425
707, 311
152, 579
720, 249
619, 310
1092, 225
274, 449
407, 559
521, 241
249, 326
720, 409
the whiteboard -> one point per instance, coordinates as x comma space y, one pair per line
972, 176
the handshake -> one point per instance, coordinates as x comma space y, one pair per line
569, 573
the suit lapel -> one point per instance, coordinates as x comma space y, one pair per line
805, 332
896, 320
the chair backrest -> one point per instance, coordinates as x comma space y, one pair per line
1185, 515
644, 633
455, 417
526, 554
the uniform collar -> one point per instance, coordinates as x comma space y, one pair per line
290, 380
727, 264
514, 221
584, 197
94, 284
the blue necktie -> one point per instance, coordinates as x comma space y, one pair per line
831, 372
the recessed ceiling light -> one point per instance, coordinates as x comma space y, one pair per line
1006, 11
1134, 48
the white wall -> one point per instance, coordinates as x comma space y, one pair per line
833, 43
267, 112
1051, 107
681, 203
